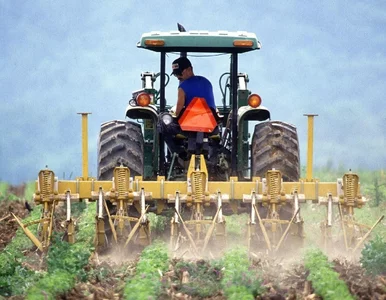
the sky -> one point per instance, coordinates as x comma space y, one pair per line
58, 58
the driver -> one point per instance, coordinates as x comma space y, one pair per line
190, 86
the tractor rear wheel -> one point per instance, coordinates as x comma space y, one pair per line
120, 143
275, 145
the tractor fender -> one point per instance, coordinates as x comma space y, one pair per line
248, 113
142, 112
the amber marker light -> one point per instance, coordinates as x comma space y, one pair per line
242, 43
157, 43
254, 100
143, 99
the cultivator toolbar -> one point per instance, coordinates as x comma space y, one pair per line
197, 204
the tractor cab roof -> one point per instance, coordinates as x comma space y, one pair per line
199, 41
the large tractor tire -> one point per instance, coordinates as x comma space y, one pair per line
120, 143
275, 145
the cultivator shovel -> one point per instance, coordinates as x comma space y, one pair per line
199, 229
282, 213
48, 196
353, 234
121, 198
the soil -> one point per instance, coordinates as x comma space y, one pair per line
282, 279
8, 224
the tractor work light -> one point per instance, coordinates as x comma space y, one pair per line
158, 43
143, 99
254, 100
167, 119
242, 43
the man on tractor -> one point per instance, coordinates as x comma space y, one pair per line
191, 86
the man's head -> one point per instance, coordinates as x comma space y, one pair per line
182, 68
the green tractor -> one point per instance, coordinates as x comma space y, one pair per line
137, 144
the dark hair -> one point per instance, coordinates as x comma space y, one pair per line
180, 64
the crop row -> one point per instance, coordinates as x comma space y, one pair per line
20, 268
146, 283
239, 281
15, 277
66, 262
325, 280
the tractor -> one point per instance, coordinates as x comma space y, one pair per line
219, 168
225, 149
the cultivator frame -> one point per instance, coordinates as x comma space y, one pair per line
122, 191
115, 196
196, 192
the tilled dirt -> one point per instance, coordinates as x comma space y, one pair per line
360, 284
105, 283
8, 224
280, 280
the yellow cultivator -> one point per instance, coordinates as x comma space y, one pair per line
274, 208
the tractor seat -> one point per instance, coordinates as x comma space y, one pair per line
215, 137
180, 136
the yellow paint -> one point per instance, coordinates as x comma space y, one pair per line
84, 145
310, 146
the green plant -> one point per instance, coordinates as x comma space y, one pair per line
146, 283
29, 190
17, 281
324, 279
373, 257
3, 190
47, 287
14, 278
239, 281
157, 223
66, 262
10, 197
67, 257
236, 224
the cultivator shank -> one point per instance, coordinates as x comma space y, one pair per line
273, 228
347, 199
48, 197
121, 198
198, 228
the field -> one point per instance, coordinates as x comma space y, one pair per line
78, 272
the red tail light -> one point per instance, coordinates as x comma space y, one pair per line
254, 100
143, 99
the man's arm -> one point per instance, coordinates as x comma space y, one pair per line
180, 101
